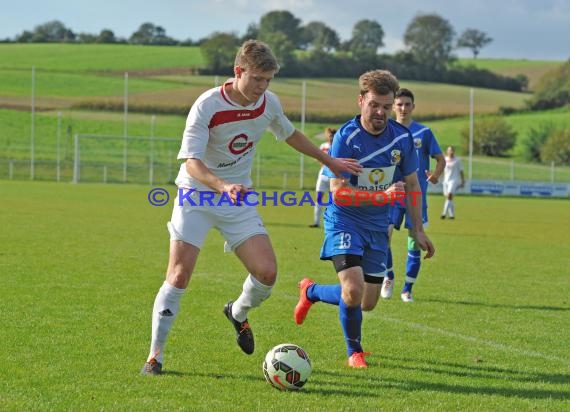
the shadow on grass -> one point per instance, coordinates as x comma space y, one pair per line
475, 371
335, 383
370, 387
498, 305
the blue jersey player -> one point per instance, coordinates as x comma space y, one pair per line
356, 224
427, 147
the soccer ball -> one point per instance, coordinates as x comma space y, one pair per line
287, 367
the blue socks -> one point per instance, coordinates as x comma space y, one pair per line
412, 269
350, 317
351, 322
324, 293
390, 270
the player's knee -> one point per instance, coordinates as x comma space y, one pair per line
178, 276
351, 295
266, 273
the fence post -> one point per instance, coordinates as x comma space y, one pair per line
76, 160
105, 174
58, 167
552, 171
512, 170
11, 169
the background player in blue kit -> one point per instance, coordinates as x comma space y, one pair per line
356, 235
426, 146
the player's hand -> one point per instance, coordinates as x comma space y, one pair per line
397, 187
344, 165
235, 191
425, 244
431, 178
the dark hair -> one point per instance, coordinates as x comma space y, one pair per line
403, 92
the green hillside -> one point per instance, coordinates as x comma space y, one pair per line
57, 57
533, 69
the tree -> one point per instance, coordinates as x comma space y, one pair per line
367, 37
429, 38
219, 51
536, 137
252, 32
283, 48
148, 33
553, 88
473, 39
318, 36
280, 22
52, 32
25, 37
557, 148
86, 38
106, 36
492, 136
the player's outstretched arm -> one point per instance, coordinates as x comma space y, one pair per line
302, 144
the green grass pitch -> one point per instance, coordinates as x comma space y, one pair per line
80, 266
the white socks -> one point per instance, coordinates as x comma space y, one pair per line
317, 214
166, 306
448, 206
254, 292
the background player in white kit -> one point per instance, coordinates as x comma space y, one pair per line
453, 179
223, 127
323, 182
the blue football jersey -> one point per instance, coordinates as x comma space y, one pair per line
383, 158
426, 146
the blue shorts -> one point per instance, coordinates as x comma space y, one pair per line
396, 217
370, 244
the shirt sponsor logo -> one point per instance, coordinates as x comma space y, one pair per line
395, 157
239, 144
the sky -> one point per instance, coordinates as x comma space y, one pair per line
521, 29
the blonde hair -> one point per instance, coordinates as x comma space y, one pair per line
381, 82
254, 54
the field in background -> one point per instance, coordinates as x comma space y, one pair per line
328, 98
104, 58
81, 265
278, 164
160, 80
160, 77
533, 69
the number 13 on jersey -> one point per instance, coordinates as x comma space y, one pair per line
344, 242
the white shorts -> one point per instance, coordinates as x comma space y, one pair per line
191, 223
323, 184
450, 187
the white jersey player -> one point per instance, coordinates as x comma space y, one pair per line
220, 137
453, 179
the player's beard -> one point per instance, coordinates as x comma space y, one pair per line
376, 124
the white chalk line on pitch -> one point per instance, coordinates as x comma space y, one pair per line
492, 344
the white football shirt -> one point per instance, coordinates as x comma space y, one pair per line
224, 135
453, 169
